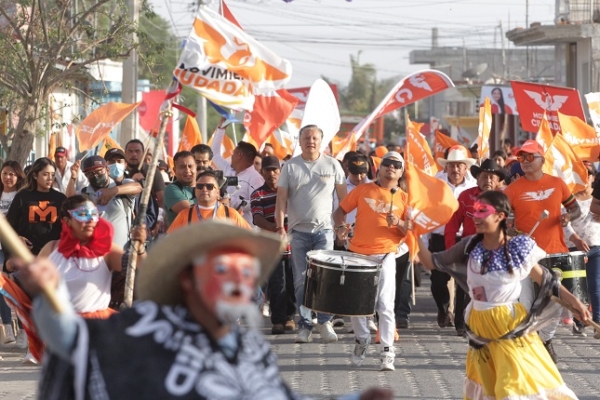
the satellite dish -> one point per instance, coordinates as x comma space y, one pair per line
475, 71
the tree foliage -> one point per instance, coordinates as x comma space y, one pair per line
51, 44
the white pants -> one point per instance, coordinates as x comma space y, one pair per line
384, 306
526, 298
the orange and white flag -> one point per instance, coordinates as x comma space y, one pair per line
282, 143
485, 127
341, 145
417, 149
191, 135
562, 162
440, 144
226, 65
431, 204
593, 103
97, 126
580, 136
109, 143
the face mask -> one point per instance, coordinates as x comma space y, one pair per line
98, 182
116, 170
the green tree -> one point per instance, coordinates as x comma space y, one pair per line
48, 44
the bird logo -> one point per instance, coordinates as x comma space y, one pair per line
379, 206
538, 196
419, 81
546, 101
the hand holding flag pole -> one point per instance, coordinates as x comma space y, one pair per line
16, 246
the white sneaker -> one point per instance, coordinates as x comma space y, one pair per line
266, 310
304, 336
372, 326
327, 333
387, 361
22, 342
28, 359
339, 321
360, 351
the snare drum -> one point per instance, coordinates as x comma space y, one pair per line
341, 283
570, 268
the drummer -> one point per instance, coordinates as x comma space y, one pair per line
529, 197
380, 226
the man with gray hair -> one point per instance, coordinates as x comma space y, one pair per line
305, 191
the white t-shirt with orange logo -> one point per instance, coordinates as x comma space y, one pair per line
371, 232
529, 198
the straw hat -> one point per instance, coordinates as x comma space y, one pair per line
158, 276
458, 154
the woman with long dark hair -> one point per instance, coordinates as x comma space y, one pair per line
503, 361
86, 256
12, 178
33, 213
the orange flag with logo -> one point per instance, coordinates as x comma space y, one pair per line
431, 204
417, 149
97, 126
485, 127
440, 144
109, 143
544, 135
581, 136
191, 135
227, 146
562, 162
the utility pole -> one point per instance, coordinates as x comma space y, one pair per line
503, 51
130, 77
527, 27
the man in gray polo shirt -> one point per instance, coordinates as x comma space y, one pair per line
305, 191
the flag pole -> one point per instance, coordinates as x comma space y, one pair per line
134, 248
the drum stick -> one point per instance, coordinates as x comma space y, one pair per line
544, 215
566, 305
393, 190
16, 247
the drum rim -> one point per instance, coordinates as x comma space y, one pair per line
569, 253
377, 263
351, 268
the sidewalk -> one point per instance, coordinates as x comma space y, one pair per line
429, 363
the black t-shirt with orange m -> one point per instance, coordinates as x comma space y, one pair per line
34, 215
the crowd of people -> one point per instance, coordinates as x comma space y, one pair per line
254, 219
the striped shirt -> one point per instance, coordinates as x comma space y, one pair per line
263, 201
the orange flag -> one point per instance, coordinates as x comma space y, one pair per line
109, 143
440, 144
227, 146
97, 126
52, 145
485, 127
340, 146
191, 135
417, 150
581, 136
562, 162
544, 135
281, 144
431, 204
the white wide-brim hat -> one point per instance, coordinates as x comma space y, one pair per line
158, 276
458, 154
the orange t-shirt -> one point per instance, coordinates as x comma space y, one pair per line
207, 214
529, 198
371, 232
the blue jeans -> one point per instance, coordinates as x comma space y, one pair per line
592, 270
302, 243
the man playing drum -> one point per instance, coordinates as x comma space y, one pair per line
380, 226
535, 194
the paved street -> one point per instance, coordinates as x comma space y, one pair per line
429, 363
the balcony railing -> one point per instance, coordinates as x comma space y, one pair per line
577, 11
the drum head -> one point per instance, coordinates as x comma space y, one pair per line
334, 258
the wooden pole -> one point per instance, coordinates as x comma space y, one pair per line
17, 248
141, 215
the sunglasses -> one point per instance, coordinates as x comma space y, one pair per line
388, 163
96, 173
527, 157
482, 210
85, 214
208, 186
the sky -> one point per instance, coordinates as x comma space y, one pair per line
318, 36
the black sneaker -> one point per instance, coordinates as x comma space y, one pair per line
578, 330
402, 323
550, 348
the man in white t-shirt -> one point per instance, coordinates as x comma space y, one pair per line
305, 191
63, 172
